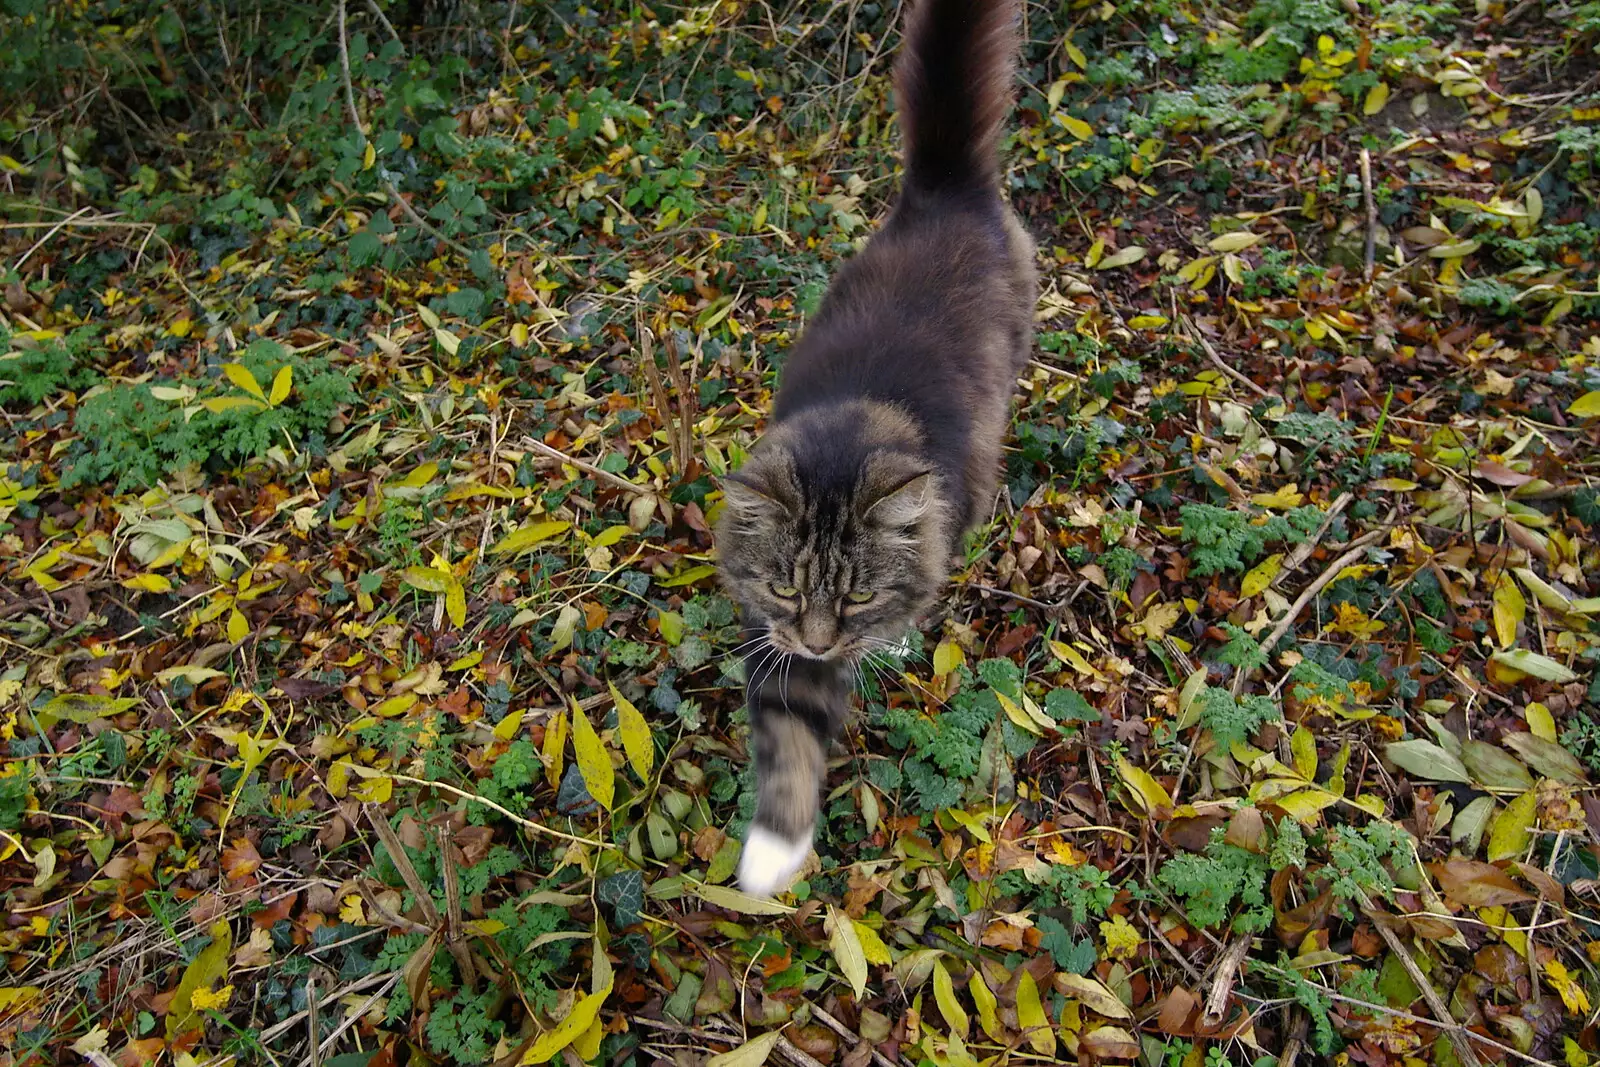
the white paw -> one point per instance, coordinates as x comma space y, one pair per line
769, 863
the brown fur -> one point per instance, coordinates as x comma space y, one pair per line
885, 439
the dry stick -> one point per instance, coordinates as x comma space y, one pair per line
1222, 984
351, 1018
1358, 548
686, 403
1297, 1037
1303, 551
1211, 353
355, 120
663, 402
588, 468
452, 905
1371, 254
525, 823
311, 1016
402, 863
855, 1039
1436, 1004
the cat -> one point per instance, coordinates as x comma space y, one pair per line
884, 442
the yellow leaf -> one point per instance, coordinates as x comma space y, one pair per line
1305, 804
1072, 658
1586, 405
240, 375
847, 950
1237, 241
1122, 940
1540, 722
594, 762
1511, 830
1261, 576
337, 782
282, 382
1285, 496
1303, 746
564, 1033
555, 747
1091, 992
1510, 607
1150, 794
736, 901
636, 739
396, 705
208, 1000
369, 156
374, 790
1096, 251
149, 583
209, 966
752, 1053
587, 1046
1075, 54
238, 626
947, 657
944, 994
1077, 127
530, 535
219, 404
1148, 322
1015, 713
14, 997
1377, 96
1572, 993
455, 602
427, 579
984, 998
1031, 1016
872, 945
1127, 257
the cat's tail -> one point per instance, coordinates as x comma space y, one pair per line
796, 708
953, 87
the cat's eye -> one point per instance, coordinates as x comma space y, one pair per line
861, 597
785, 592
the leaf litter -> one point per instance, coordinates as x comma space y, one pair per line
366, 680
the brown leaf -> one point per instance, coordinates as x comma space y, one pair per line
1477, 884
1176, 1011
240, 861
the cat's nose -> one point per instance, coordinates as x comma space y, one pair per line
818, 650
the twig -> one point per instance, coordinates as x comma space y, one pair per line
402, 863
525, 823
798, 1057
1303, 551
1211, 353
1297, 1037
658, 393
855, 1039
588, 468
453, 919
1009, 595
1371, 254
311, 1018
351, 1018
1436, 1004
1222, 983
1358, 548
355, 120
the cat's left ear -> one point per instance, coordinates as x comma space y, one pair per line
898, 491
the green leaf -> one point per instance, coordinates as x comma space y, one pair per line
1548, 758
1427, 760
205, 971
1542, 667
1493, 768
594, 762
86, 707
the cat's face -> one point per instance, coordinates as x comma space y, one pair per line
832, 571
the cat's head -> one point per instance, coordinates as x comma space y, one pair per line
833, 538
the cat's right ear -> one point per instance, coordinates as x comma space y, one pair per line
756, 491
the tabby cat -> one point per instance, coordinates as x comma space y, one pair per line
885, 436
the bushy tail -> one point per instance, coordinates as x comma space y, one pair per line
953, 85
